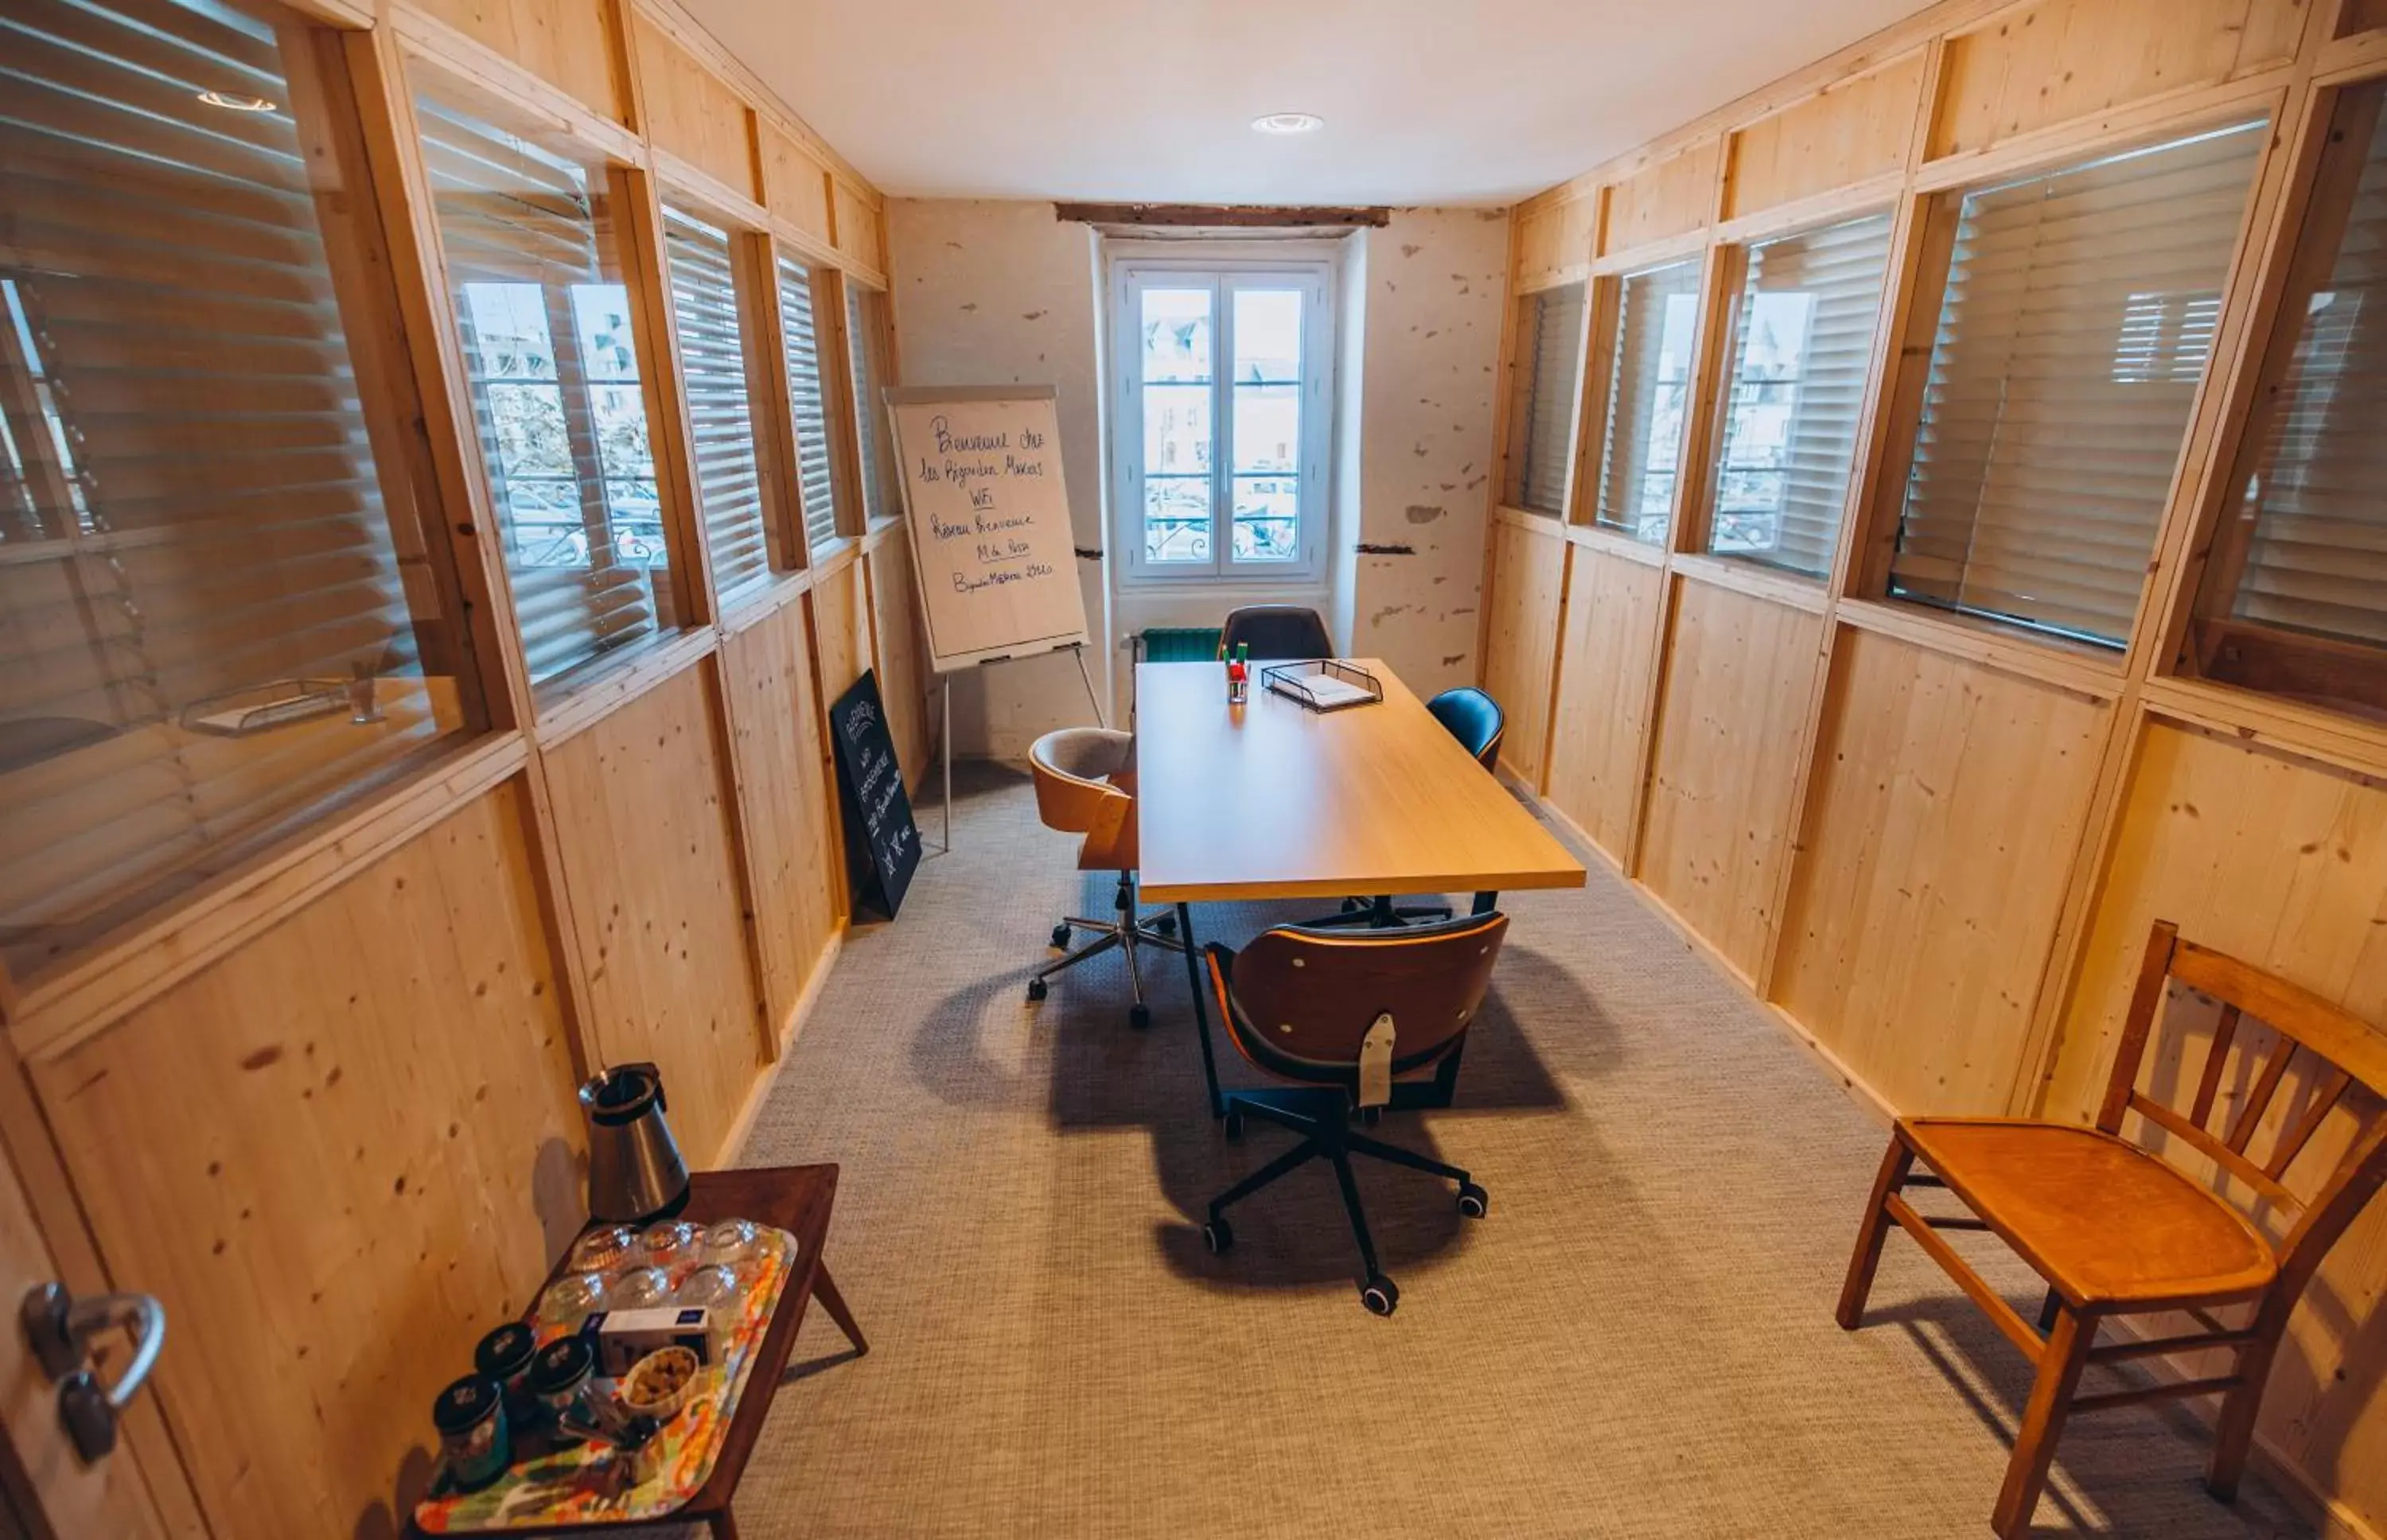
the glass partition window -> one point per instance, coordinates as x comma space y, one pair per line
1648, 392
1801, 347
2077, 321
2295, 595
552, 362
865, 343
1548, 368
219, 612
707, 308
815, 465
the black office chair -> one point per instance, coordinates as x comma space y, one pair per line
1474, 719
1276, 631
1360, 1020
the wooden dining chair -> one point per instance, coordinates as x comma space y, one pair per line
2165, 1222
1085, 784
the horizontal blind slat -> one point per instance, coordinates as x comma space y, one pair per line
712, 374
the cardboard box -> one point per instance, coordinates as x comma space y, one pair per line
623, 1337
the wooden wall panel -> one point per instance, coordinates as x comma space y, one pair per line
1851, 131
1732, 719
2283, 862
1672, 198
1947, 801
566, 42
2062, 59
1554, 241
693, 113
1602, 718
650, 857
339, 1155
901, 652
858, 236
1523, 644
795, 183
788, 802
841, 628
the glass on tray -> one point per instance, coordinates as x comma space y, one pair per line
640, 1288
570, 1297
672, 1243
603, 1249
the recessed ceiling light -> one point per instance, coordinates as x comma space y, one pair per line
235, 104
1289, 123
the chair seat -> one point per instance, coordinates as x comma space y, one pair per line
2102, 1220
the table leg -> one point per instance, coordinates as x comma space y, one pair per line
825, 1290
724, 1527
1200, 1015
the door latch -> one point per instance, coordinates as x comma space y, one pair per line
60, 1328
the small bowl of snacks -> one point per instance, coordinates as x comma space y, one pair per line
658, 1384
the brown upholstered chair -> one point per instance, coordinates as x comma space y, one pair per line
1085, 784
1304, 1004
2163, 1221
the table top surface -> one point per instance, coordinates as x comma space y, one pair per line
794, 1198
1272, 800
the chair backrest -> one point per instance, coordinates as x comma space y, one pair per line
1071, 767
1276, 631
1300, 1002
2343, 1049
1474, 719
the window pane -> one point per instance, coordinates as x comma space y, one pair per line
1177, 519
2077, 323
552, 363
1802, 346
1268, 519
1550, 333
815, 474
199, 548
1647, 390
1267, 427
1177, 432
866, 341
705, 304
2295, 597
1176, 335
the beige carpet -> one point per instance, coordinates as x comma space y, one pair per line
1638, 1341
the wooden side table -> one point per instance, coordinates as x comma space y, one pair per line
796, 1199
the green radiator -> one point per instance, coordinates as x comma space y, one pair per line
1191, 644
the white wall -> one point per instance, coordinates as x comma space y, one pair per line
998, 293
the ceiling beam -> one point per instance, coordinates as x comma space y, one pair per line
1235, 216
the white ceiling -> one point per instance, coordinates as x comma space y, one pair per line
1425, 101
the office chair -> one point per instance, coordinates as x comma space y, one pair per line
1280, 632
1474, 719
1085, 784
1357, 1020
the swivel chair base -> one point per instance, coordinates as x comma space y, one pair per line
1322, 1115
1125, 932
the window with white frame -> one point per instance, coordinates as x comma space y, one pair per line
1223, 384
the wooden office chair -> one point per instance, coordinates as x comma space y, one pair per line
1085, 784
1474, 719
1358, 1018
2125, 1227
1276, 631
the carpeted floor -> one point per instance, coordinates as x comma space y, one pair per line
1638, 1341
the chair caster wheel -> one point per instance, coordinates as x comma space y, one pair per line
1061, 937
1166, 925
1381, 1295
1139, 1016
1035, 989
1218, 1237
1235, 1123
1472, 1199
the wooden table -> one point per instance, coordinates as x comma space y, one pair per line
796, 1199
1271, 800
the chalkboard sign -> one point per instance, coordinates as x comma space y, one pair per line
882, 844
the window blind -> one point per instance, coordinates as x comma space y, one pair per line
2078, 316
195, 526
815, 477
1658, 313
1553, 336
1802, 346
720, 424
864, 311
553, 367
2316, 498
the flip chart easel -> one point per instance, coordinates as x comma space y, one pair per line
991, 543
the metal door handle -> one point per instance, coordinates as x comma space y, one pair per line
60, 1328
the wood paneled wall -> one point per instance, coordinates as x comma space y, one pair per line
1932, 847
325, 1107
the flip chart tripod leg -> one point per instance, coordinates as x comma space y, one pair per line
1102, 718
945, 751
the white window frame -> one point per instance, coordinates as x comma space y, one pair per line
1131, 275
